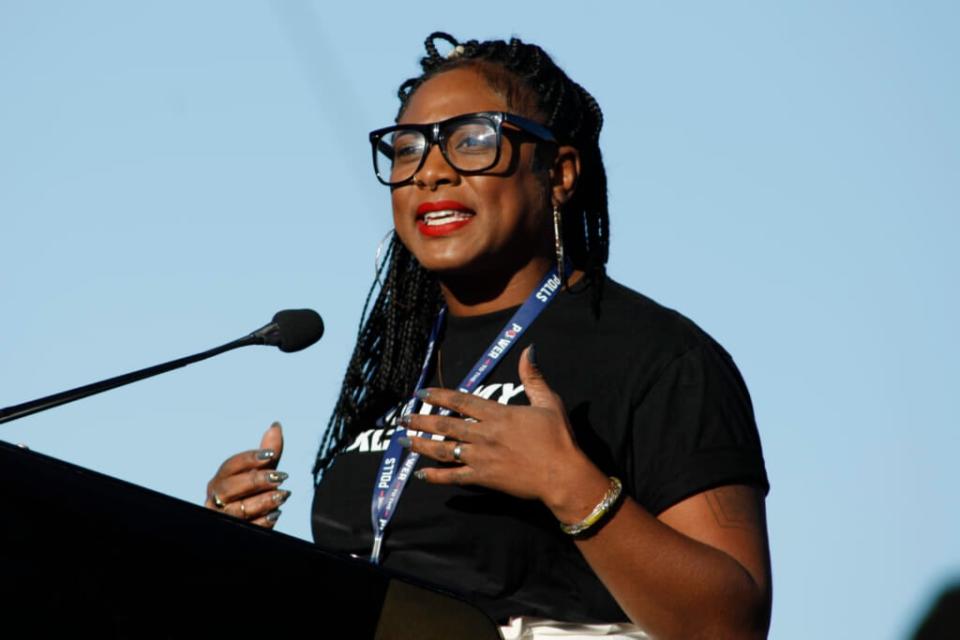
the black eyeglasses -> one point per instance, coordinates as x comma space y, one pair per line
470, 143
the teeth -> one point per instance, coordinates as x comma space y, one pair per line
436, 218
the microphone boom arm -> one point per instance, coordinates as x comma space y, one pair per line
290, 330
41, 404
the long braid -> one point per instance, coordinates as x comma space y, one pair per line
393, 336
386, 360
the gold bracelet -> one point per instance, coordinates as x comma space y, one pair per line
610, 498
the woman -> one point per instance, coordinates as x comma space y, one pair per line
499, 200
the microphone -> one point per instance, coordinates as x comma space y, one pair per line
290, 330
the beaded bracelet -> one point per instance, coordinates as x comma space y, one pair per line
610, 498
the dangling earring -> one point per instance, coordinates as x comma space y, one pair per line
558, 243
377, 264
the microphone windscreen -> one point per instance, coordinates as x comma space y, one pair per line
298, 328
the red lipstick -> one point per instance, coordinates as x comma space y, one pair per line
452, 215
442, 205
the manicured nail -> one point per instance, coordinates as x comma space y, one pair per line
423, 394
275, 425
266, 454
273, 516
405, 420
279, 497
532, 355
420, 474
277, 477
404, 442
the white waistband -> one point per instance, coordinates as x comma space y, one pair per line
527, 628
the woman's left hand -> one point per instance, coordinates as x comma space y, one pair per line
525, 451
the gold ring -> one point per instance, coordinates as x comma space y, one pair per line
220, 504
243, 510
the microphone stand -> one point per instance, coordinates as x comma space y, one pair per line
268, 334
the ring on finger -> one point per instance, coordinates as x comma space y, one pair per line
457, 452
218, 502
243, 510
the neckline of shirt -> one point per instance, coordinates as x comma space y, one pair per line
483, 320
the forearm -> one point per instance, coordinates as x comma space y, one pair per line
699, 569
668, 583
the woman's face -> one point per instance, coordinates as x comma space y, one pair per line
504, 222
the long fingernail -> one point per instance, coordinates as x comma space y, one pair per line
277, 476
266, 454
532, 355
420, 474
280, 497
276, 424
423, 394
273, 516
404, 442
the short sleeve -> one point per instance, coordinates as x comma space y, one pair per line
694, 429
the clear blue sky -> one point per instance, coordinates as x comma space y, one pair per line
786, 175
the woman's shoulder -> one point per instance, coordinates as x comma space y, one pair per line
634, 319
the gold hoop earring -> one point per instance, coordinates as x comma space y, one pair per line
558, 243
377, 264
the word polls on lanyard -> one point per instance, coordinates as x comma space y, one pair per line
390, 481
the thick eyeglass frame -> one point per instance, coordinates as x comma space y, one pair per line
435, 134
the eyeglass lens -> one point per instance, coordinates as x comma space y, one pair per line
468, 145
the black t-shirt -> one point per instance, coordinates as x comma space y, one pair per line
652, 399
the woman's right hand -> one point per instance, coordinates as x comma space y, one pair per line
247, 485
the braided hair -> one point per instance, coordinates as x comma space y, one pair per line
393, 333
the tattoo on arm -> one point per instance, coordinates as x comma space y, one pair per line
733, 507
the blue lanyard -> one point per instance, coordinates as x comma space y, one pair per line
390, 482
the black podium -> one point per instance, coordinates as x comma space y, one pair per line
83, 554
